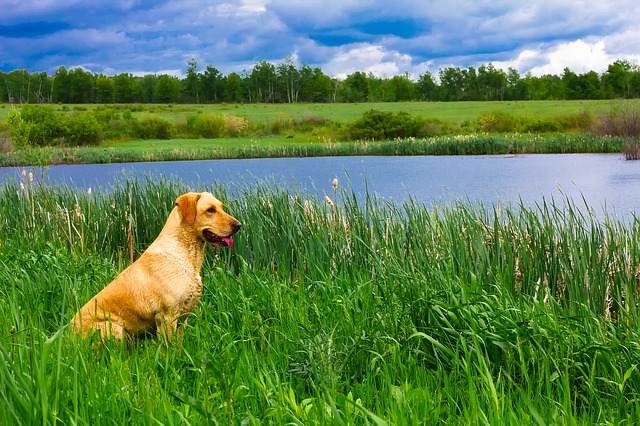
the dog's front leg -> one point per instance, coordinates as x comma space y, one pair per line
166, 324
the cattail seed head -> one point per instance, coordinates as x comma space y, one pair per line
328, 200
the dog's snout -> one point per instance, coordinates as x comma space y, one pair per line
236, 226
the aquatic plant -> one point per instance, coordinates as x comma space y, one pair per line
363, 312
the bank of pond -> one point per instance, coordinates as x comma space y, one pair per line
278, 147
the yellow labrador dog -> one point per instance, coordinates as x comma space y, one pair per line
164, 284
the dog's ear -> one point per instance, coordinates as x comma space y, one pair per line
187, 205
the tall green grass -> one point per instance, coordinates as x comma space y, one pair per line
359, 312
199, 149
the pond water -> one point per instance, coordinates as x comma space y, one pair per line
603, 181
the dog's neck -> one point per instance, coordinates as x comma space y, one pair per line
180, 242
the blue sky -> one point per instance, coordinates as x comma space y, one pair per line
379, 36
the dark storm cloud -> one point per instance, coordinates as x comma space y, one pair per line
339, 36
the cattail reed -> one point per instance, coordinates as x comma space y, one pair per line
378, 312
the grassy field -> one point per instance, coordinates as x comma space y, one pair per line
453, 112
286, 130
358, 313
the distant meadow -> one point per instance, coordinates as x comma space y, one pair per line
34, 135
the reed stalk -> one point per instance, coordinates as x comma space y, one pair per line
364, 312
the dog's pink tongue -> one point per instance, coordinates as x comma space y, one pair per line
228, 241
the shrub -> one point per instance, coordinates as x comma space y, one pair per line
541, 126
622, 120
631, 150
578, 122
105, 115
235, 126
152, 127
84, 129
280, 123
309, 122
433, 127
5, 143
36, 125
497, 122
379, 125
205, 126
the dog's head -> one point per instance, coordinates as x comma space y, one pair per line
205, 214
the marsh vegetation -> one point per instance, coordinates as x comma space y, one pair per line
326, 311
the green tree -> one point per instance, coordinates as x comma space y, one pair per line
404, 87
193, 82
356, 87
213, 83
263, 80
617, 79
122, 88
451, 84
554, 85
80, 86
234, 88
635, 82
379, 89
104, 90
516, 86
471, 85
16, 86
322, 87
572, 88
167, 89
61, 85
427, 88
306, 87
591, 85
289, 78
492, 83
39, 88
148, 87
137, 90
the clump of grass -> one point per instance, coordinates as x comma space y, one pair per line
498, 122
631, 150
235, 126
310, 122
623, 119
5, 142
280, 124
356, 311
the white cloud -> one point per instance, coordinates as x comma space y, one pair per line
340, 36
369, 59
624, 42
245, 8
579, 56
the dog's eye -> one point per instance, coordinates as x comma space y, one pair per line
211, 209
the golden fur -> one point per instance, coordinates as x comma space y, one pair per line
156, 292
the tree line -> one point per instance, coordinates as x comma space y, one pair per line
285, 82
